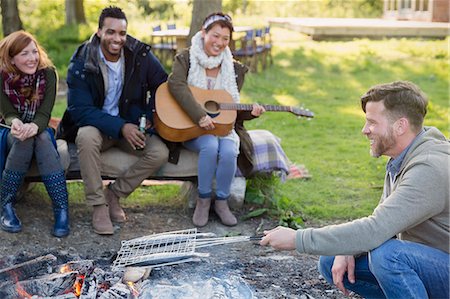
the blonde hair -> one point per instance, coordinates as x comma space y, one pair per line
13, 44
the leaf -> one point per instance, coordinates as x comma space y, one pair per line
255, 213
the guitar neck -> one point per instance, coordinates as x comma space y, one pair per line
249, 107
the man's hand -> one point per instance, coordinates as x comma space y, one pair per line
134, 137
343, 264
280, 238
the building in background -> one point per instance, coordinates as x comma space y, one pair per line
417, 10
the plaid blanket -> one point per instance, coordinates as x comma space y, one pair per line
269, 155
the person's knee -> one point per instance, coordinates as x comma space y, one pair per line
88, 137
324, 266
156, 149
381, 257
43, 137
228, 155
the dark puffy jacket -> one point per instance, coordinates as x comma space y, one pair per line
86, 95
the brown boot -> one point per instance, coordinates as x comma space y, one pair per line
100, 220
223, 211
115, 210
201, 213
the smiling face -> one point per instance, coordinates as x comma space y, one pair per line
216, 40
379, 130
113, 35
27, 60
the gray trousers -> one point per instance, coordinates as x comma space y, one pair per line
20, 154
91, 143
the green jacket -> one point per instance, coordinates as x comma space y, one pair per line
180, 90
43, 113
415, 208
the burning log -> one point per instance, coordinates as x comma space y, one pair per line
32, 268
89, 289
49, 285
83, 267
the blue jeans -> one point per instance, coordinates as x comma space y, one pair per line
217, 158
397, 269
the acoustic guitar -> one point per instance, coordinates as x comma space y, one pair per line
173, 124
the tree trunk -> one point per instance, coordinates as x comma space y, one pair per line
10, 17
200, 9
74, 12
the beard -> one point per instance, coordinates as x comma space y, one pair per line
382, 144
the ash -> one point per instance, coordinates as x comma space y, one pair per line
195, 280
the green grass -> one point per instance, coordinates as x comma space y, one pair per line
328, 78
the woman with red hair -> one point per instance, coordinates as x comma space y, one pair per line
28, 82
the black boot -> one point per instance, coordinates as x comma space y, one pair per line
11, 181
55, 184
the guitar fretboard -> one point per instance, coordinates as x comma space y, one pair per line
249, 107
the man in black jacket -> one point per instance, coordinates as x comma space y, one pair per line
112, 79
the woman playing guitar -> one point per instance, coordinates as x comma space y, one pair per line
209, 64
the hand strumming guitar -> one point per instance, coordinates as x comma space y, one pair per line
206, 123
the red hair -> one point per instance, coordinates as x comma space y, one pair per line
13, 44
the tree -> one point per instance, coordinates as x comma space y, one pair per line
75, 12
200, 10
10, 17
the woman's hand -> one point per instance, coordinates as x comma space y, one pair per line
206, 123
23, 131
30, 130
17, 129
258, 110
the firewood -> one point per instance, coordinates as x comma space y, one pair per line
32, 268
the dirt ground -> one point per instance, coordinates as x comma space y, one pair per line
269, 273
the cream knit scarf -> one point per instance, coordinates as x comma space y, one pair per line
199, 61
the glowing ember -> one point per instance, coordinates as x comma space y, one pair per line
65, 269
132, 288
21, 292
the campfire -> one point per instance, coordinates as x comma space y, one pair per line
127, 277
43, 277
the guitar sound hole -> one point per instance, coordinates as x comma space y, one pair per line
212, 108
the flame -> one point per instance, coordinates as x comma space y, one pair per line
133, 289
78, 285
